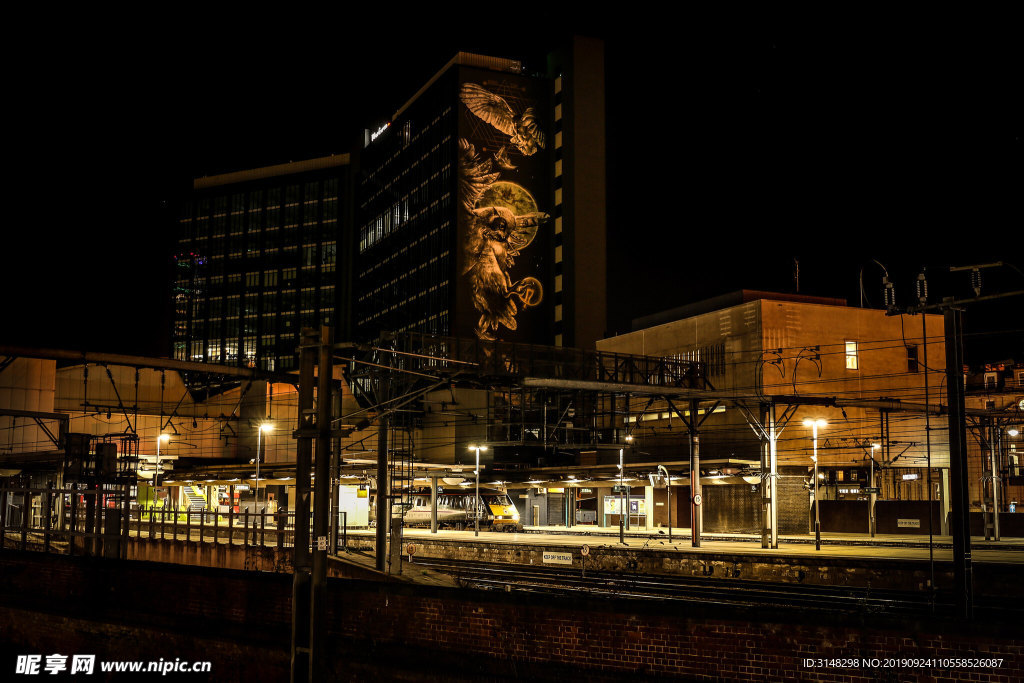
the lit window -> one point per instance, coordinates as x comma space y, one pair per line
851, 355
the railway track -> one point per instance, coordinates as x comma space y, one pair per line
734, 592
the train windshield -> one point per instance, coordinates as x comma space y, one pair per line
497, 500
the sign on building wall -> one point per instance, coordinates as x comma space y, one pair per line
505, 223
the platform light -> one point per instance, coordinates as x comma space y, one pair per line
1012, 431
814, 424
264, 427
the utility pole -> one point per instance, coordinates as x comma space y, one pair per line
301, 669
322, 508
963, 584
953, 325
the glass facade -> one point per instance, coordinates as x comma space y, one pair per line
406, 221
256, 261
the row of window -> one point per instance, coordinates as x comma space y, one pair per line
258, 198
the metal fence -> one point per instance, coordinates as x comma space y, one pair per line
93, 522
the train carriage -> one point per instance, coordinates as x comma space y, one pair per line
455, 509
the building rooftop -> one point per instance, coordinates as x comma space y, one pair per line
465, 59
270, 171
727, 301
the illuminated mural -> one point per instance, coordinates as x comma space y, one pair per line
500, 216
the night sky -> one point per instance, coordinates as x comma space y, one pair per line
732, 151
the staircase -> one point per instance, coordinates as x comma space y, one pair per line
196, 499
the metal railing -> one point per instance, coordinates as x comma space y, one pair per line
94, 522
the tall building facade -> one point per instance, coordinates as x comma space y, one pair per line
262, 253
481, 207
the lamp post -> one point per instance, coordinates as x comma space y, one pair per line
476, 504
264, 427
156, 473
814, 424
873, 497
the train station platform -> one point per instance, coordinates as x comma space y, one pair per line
827, 538
889, 562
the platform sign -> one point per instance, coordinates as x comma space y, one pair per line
321, 543
870, 489
557, 558
908, 523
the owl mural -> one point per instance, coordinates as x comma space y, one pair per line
524, 130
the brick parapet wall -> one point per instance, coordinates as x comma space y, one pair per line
374, 626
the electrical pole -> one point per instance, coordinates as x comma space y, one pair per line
322, 509
963, 584
302, 578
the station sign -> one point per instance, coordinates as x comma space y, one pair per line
908, 523
557, 558
620, 488
870, 489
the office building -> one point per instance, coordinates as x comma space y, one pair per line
262, 253
481, 205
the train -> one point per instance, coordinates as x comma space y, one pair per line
455, 509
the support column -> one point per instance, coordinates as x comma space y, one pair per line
770, 480
381, 551
433, 505
995, 478
649, 506
696, 513
321, 509
301, 646
963, 583
944, 505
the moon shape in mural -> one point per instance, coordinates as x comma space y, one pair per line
510, 195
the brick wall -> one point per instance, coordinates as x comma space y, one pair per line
793, 501
732, 509
240, 621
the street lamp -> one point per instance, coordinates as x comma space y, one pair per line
264, 427
476, 522
873, 497
814, 424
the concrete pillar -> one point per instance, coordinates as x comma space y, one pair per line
649, 505
944, 508
433, 505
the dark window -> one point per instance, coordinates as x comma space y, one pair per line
912, 358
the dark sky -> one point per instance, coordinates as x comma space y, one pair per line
732, 150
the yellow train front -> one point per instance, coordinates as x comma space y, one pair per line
456, 509
502, 512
